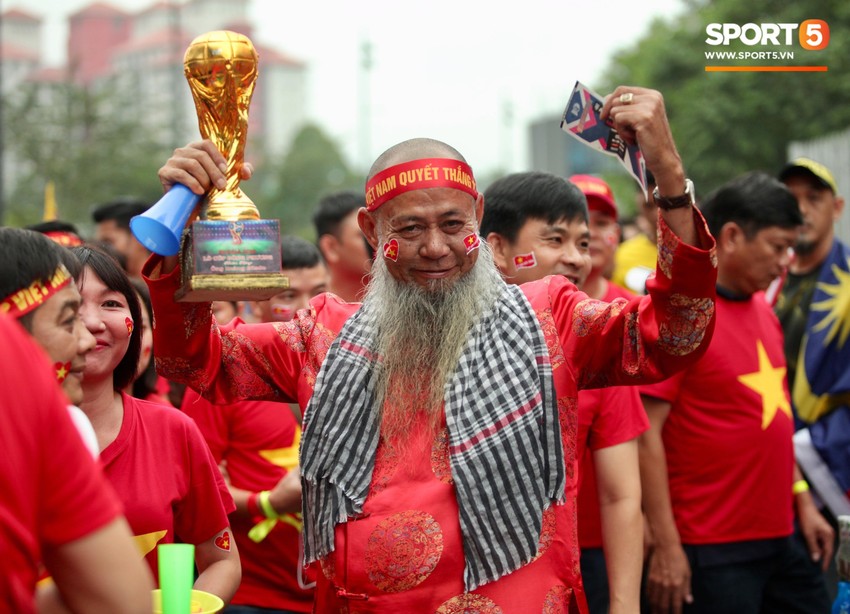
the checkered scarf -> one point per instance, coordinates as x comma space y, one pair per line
504, 438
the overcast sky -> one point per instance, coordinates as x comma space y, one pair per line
454, 70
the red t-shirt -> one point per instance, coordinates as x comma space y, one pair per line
259, 441
163, 472
51, 490
617, 416
728, 435
607, 417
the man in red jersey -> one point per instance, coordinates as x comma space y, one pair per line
717, 464
537, 225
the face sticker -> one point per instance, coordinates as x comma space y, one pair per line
222, 542
129, 324
62, 371
525, 261
391, 250
472, 242
282, 313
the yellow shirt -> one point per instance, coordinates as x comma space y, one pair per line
634, 261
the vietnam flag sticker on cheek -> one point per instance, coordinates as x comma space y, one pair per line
472, 242
525, 261
281, 313
129, 324
62, 371
391, 250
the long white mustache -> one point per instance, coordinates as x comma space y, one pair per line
421, 335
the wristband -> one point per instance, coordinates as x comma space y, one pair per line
253, 506
266, 506
800, 486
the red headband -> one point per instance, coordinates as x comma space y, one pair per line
64, 238
23, 301
418, 175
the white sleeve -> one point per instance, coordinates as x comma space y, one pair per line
85, 429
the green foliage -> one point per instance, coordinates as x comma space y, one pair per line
91, 143
313, 167
726, 123
95, 145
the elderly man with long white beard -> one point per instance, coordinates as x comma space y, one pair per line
438, 455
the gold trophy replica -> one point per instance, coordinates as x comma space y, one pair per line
230, 253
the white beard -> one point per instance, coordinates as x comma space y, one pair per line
421, 335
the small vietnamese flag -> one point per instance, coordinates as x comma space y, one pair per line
472, 242
525, 261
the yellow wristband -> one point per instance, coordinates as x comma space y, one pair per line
266, 506
800, 486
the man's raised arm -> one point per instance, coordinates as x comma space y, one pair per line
223, 364
639, 116
651, 337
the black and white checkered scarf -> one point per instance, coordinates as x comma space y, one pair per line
505, 444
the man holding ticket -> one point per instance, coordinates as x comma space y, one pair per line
438, 457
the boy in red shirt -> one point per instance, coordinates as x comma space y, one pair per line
717, 465
537, 225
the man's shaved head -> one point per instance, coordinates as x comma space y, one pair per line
413, 149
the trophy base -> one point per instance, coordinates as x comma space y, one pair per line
231, 261
206, 288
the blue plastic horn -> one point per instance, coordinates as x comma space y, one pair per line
160, 227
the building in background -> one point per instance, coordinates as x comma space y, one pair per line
139, 55
20, 47
554, 151
832, 150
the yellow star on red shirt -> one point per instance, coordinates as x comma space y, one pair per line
284, 457
147, 542
768, 383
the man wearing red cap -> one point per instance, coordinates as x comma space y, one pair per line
604, 238
438, 455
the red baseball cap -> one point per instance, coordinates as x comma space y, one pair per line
598, 193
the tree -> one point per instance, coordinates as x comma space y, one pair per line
313, 167
91, 142
726, 123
